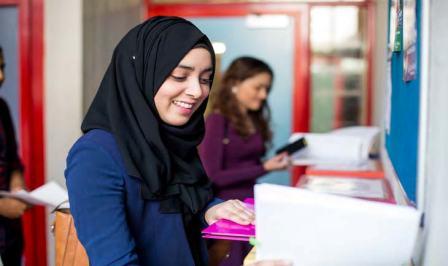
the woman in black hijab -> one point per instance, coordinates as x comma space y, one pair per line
138, 192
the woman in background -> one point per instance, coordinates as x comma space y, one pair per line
11, 179
237, 130
236, 138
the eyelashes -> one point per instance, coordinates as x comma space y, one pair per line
184, 78
178, 78
206, 81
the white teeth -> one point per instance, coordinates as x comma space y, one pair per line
183, 104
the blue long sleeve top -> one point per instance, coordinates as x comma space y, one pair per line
114, 224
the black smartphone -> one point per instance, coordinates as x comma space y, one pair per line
292, 147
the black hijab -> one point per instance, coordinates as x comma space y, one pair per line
165, 157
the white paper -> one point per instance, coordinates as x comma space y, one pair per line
368, 135
313, 229
368, 165
50, 194
350, 145
324, 148
352, 187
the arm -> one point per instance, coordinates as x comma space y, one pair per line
96, 192
14, 163
212, 156
9, 207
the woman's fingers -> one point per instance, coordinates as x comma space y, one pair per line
235, 211
242, 207
240, 213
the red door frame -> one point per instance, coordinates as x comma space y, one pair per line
300, 117
30, 38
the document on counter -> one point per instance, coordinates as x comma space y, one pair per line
350, 145
51, 194
328, 149
313, 229
352, 187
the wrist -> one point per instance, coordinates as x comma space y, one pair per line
266, 167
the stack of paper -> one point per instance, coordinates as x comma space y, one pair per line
368, 135
359, 187
50, 194
225, 229
365, 169
313, 229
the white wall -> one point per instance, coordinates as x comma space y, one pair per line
105, 23
436, 179
63, 88
380, 61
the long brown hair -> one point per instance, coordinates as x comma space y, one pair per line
226, 103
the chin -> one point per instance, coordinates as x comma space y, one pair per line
255, 108
177, 121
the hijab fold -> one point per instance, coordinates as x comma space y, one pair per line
164, 157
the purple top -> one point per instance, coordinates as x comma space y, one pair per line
233, 167
10, 229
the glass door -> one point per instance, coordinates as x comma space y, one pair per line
339, 67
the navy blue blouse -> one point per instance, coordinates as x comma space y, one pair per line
113, 222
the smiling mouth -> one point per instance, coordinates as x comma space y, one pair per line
183, 104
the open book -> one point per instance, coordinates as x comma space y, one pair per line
51, 194
347, 145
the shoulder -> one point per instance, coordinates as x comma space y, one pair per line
97, 145
216, 118
92, 161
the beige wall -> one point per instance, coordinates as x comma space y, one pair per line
105, 22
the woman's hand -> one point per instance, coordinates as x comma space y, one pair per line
278, 162
233, 210
12, 208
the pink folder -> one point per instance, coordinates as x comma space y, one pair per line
225, 229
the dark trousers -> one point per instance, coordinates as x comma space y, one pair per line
12, 255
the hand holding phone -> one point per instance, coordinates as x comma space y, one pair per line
292, 147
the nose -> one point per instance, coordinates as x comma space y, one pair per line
194, 89
263, 94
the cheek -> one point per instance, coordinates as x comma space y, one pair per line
205, 94
249, 94
161, 101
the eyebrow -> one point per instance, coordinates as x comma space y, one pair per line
210, 69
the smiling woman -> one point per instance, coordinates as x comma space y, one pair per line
186, 88
138, 192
